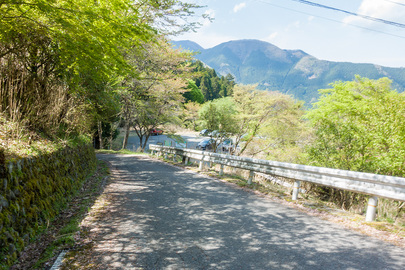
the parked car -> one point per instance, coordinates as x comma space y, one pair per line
206, 144
216, 134
155, 132
227, 145
205, 132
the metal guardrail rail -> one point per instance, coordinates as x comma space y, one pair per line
367, 183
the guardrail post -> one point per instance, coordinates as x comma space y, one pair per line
296, 188
187, 160
221, 170
174, 157
371, 208
166, 155
251, 175
201, 166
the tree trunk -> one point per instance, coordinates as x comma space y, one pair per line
125, 142
141, 142
144, 144
100, 134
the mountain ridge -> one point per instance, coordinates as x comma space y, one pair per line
289, 71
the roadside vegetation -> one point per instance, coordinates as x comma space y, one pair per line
355, 126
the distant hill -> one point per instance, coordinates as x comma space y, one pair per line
188, 45
289, 71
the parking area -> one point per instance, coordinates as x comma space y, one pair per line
192, 140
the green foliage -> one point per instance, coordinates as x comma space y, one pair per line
57, 55
194, 94
212, 86
62, 60
190, 115
109, 133
219, 115
358, 126
270, 123
154, 97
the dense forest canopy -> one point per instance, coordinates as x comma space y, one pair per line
64, 64
210, 84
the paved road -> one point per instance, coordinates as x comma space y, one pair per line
167, 218
192, 140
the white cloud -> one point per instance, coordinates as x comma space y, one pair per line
293, 26
238, 7
386, 10
271, 37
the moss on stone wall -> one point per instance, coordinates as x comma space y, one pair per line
34, 190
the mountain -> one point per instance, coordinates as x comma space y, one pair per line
188, 45
288, 71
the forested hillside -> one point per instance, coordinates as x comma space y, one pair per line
288, 71
211, 85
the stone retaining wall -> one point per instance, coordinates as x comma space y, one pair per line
34, 190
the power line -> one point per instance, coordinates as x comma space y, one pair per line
401, 4
401, 25
329, 19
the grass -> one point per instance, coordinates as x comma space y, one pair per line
18, 142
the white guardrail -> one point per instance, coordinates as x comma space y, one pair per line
367, 183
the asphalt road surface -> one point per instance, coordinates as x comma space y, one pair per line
165, 217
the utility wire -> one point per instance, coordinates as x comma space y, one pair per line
401, 25
329, 19
401, 4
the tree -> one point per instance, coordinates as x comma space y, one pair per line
161, 106
358, 126
212, 86
154, 96
60, 54
57, 55
190, 114
220, 115
272, 116
194, 94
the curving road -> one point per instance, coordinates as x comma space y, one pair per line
163, 217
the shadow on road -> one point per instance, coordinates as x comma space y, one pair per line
162, 217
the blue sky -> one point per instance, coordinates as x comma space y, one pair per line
325, 34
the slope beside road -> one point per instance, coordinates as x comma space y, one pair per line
162, 217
